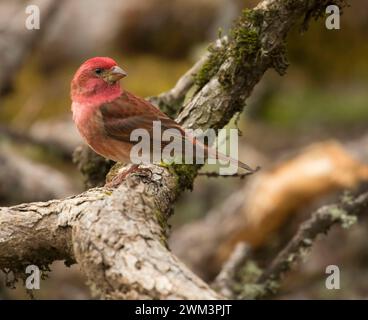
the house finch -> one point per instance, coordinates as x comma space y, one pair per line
106, 114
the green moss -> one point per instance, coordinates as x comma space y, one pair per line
162, 221
245, 35
346, 219
250, 272
258, 291
244, 45
247, 286
211, 66
185, 174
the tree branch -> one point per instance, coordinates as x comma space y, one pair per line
224, 282
115, 236
344, 213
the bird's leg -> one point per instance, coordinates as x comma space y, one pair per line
119, 178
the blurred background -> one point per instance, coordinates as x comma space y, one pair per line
307, 130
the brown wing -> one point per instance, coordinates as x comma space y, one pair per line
128, 112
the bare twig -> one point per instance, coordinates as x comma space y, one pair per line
224, 282
235, 175
344, 213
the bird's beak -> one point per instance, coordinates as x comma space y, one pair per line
115, 73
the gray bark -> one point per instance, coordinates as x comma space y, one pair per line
116, 237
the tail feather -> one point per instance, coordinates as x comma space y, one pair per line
219, 155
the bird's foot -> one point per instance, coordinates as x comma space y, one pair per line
119, 178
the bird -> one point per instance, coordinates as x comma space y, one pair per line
106, 114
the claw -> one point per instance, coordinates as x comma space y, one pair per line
120, 178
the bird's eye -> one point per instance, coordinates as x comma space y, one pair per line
98, 71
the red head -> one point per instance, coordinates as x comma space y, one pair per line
96, 81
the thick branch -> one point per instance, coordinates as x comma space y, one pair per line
115, 236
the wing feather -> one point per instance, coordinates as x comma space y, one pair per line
128, 112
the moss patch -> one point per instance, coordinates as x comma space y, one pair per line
245, 35
243, 45
185, 174
217, 56
346, 219
247, 286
